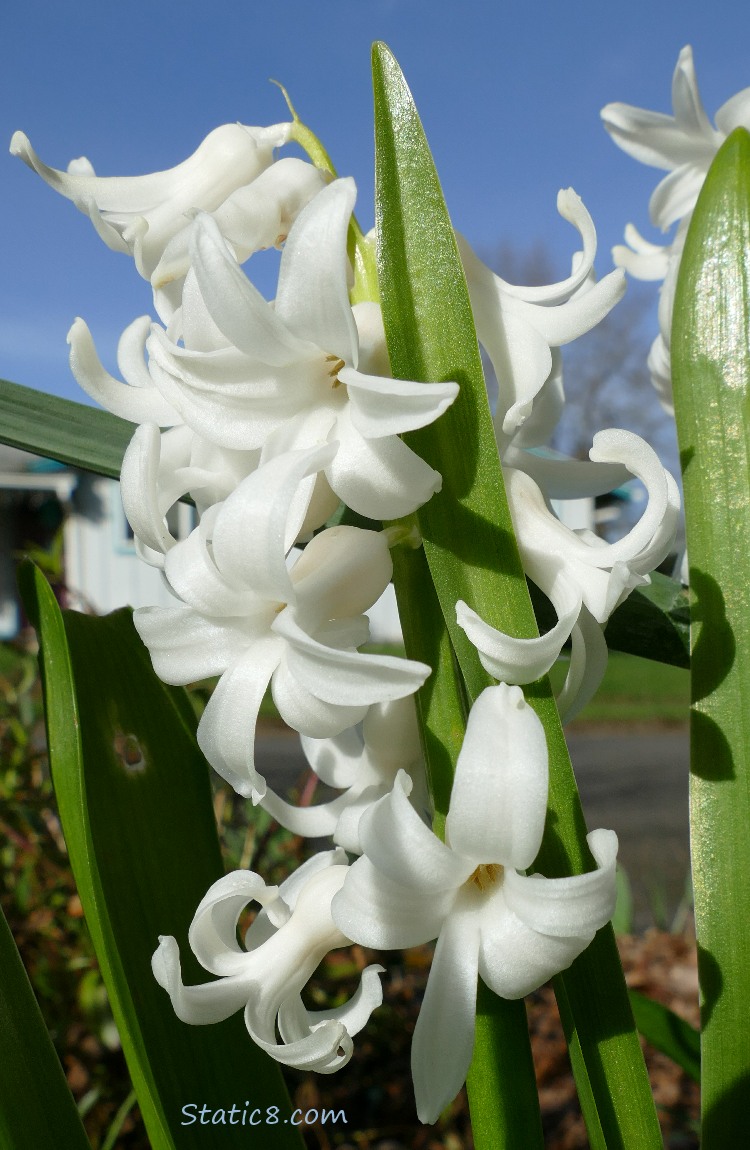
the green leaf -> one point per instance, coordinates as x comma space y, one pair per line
37, 1110
506, 1115
669, 1033
135, 804
61, 429
472, 554
711, 379
653, 622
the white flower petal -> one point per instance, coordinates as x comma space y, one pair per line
514, 960
513, 660
304, 711
237, 308
323, 1051
588, 663
310, 822
615, 446
735, 113
578, 905
312, 297
644, 260
374, 910
382, 406
139, 489
499, 798
346, 677
355, 1012
254, 529
444, 1035
200, 1005
213, 931
579, 314
566, 478
335, 760
192, 575
340, 574
226, 732
185, 646
379, 478
675, 195
141, 213
404, 850
134, 403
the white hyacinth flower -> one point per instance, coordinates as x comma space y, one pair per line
513, 930
520, 326
282, 948
248, 617
308, 369
363, 764
150, 216
584, 578
684, 144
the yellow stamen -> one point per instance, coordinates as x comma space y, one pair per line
486, 875
336, 367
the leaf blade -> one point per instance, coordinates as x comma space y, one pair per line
37, 1110
120, 761
61, 429
711, 383
471, 551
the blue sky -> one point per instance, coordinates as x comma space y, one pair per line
509, 93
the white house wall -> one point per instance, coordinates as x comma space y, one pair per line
102, 570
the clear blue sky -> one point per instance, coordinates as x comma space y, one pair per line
509, 93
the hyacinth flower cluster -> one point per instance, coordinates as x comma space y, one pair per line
270, 416
684, 145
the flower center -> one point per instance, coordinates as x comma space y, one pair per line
486, 875
335, 368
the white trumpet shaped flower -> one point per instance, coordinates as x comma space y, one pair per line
684, 144
248, 617
513, 930
231, 174
584, 578
362, 764
305, 370
520, 326
282, 948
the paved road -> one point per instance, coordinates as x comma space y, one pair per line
635, 784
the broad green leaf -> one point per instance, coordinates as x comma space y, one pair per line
669, 1033
711, 378
471, 551
61, 429
37, 1110
135, 805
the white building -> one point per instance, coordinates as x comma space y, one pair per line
100, 570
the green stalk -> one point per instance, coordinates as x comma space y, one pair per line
361, 253
472, 554
711, 369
